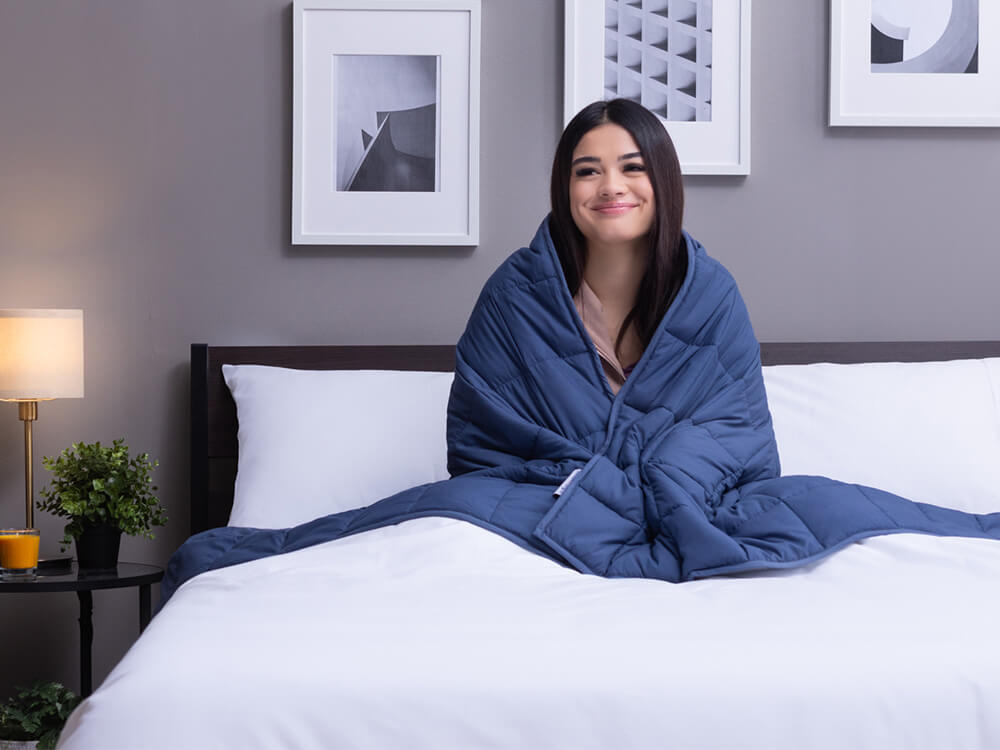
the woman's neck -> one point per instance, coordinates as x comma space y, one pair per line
615, 274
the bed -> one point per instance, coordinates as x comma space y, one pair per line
438, 633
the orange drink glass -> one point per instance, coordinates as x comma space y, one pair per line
18, 554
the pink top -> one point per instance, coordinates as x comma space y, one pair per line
591, 312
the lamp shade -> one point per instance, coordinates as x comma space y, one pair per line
41, 354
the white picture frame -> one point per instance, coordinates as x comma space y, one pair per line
720, 145
870, 92
367, 170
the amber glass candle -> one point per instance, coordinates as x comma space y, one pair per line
18, 553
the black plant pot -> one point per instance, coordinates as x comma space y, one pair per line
97, 547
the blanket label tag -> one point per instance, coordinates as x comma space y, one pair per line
562, 487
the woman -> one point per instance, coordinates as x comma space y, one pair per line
610, 371
617, 208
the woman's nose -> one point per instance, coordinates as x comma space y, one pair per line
611, 183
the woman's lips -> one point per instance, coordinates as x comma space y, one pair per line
614, 209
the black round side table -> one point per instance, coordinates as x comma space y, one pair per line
84, 583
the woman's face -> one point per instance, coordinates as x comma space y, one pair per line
610, 195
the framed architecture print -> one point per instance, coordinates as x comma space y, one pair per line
385, 130
686, 60
915, 62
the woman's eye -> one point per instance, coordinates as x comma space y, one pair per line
634, 167
585, 171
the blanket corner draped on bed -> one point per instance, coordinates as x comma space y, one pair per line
676, 478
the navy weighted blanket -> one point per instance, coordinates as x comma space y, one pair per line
676, 478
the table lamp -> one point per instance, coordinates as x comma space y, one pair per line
41, 358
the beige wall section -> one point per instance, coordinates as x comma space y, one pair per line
145, 178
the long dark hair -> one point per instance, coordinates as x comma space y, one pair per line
667, 258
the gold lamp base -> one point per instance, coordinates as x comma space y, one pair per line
27, 412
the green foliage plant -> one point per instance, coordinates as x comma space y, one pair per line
38, 713
97, 484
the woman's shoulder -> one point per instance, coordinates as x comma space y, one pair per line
526, 267
709, 305
707, 278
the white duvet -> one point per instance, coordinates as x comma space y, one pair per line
438, 634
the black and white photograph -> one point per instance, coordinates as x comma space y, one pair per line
914, 63
659, 53
925, 36
387, 123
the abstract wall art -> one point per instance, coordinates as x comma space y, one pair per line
387, 128
925, 36
386, 122
659, 53
686, 60
915, 62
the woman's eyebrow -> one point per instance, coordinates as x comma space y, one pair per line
623, 157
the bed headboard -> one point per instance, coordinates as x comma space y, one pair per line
213, 413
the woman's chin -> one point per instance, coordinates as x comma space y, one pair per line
620, 237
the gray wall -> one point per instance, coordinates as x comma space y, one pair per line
145, 177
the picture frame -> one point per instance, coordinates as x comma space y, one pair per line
687, 60
385, 124
914, 65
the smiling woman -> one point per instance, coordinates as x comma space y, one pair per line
617, 209
611, 197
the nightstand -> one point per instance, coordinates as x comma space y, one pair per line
84, 584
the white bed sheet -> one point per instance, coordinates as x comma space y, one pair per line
438, 634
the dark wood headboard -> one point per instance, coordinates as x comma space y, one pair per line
213, 413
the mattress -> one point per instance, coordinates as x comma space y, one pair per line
438, 634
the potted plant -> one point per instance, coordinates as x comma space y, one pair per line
104, 492
35, 716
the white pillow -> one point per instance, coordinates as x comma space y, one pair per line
314, 442
929, 431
